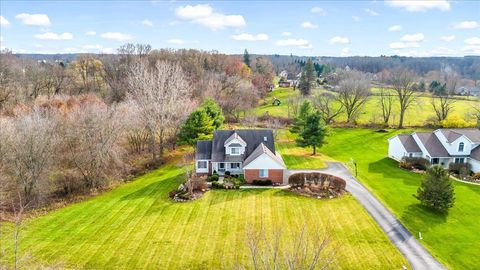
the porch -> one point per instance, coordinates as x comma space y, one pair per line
232, 167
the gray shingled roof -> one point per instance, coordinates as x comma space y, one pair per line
261, 149
409, 143
452, 134
204, 150
432, 144
252, 137
475, 154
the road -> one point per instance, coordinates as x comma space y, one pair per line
418, 257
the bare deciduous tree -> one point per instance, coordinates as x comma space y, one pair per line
325, 104
402, 81
353, 92
306, 248
161, 93
442, 103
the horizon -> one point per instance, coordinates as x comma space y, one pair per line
404, 28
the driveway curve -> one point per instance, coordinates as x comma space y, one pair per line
418, 257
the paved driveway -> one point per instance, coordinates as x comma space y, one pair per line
414, 252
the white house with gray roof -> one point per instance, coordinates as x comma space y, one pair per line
442, 146
247, 151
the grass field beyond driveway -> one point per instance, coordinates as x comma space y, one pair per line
136, 226
454, 238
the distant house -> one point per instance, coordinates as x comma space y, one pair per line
285, 83
283, 74
443, 146
468, 91
247, 151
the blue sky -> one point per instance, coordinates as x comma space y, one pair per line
341, 28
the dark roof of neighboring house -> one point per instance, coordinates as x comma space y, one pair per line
262, 149
432, 144
204, 150
472, 134
252, 137
409, 143
475, 154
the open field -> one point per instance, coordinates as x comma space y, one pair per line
420, 112
136, 226
452, 238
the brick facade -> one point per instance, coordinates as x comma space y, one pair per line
276, 175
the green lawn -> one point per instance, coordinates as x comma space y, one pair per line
419, 113
136, 226
452, 238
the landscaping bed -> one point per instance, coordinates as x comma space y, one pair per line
317, 185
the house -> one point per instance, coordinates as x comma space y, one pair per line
248, 151
442, 146
284, 83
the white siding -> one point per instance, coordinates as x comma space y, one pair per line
452, 147
475, 165
202, 170
396, 149
264, 162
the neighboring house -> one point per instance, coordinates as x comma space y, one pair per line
443, 146
285, 83
250, 152
468, 91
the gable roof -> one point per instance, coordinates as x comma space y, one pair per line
409, 143
252, 137
233, 137
433, 145
452, 134
204, 150
260, 150
475, 154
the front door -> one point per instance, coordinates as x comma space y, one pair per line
221, 167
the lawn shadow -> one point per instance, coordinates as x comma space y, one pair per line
389, 169
422, 218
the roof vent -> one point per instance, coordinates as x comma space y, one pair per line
265, 138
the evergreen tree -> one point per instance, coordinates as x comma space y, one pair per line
307, 79
214, 112
313, 133
306, 109
436, 190
246, 58
198, 126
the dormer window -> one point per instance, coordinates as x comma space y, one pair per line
461, 146
235, 151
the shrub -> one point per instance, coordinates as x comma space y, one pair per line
212, 178
297, 179
414, 162
217, 185
337, 183
227, 173
241, 179
267, 182
476, 176
459, 168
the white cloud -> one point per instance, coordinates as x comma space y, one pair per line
204, 14
90, 47
286, 34
33, 19
418, 37
176, 41
420, 5
318, 10
147, 23
466, 25
395, 28
309, 25
250, 37
4, 22
90, 33
473, 41
447, 38
471, 49
356, 18
54, 36
117, 36
371, 12
108, 50
403, 45
345, 52
339, 40
301, 43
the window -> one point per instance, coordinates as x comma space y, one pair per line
234, 150
234, 165
410, 155
459, 160
263, 173
201, 164
221, 165
461, 146
435, 160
